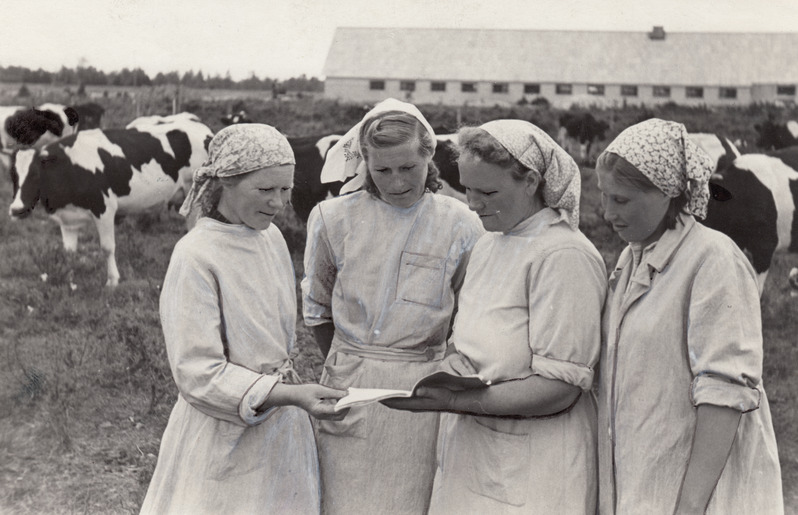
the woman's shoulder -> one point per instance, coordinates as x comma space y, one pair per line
710, 245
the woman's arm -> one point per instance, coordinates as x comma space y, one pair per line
716, 428
313, 398
534, 396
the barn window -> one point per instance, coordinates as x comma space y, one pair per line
501, 87
407, 85
662, 91
437, 86
468, 87
377, 84
727, 93
785, 90
532, 89
628, 91
694, 92
564, 89
595, 89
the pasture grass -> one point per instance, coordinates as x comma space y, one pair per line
85, 388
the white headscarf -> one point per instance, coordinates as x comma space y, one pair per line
344, 159
235, 150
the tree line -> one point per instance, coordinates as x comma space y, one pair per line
89, 75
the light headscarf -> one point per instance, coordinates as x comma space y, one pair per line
235, 150
344, 159
535, 149
662, 151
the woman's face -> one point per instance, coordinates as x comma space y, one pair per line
256, 198
636, 215
500, 200
399, 173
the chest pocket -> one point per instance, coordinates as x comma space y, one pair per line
421, 279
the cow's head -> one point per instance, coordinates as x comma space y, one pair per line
26, 170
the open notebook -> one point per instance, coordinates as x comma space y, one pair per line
440, 379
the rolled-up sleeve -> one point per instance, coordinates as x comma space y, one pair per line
566, 296
192, 327
724, 334
320, 273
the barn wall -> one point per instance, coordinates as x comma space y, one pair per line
357, 90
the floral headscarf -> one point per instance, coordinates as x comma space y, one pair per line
662, 151
236, 150
535, 149
344, 159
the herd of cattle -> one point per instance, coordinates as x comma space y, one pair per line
59, 157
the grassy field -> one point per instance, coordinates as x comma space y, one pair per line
85, 389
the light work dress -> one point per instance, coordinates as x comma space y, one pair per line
228, 310
387, 277
683, 328
531, 305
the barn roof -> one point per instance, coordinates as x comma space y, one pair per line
688, 58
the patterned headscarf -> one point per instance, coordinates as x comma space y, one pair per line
662, 151
235, 150
344, 159
535, 149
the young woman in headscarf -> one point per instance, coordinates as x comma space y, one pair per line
529, 323
684, 422
383, 267
239, 439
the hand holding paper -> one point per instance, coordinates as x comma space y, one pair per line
426, 394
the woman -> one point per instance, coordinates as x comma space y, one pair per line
383, 267
529, 324
684, 422
239, 439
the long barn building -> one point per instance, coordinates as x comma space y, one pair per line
487, 67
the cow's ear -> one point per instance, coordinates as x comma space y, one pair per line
72, 116
719, 193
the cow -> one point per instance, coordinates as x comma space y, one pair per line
232, 119
581, 128
90, 115
193, 126
773, 136
94, 175
158, 119
718, 148
793, 280
308, 191
753, 202
7, 144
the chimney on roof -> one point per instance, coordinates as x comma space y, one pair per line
658, 32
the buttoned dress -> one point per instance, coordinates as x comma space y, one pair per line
387, 277
682, 328
228, 311
531, 305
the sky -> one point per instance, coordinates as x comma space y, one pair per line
288, 38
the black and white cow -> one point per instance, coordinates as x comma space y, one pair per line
582, 129
239, 117
308, 191
95, 174
718, 148
774, 136
90, 116
753, 202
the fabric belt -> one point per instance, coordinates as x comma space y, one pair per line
424, 354
286, 372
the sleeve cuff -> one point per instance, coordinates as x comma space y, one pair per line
566, 371
708, 389
314, 313
255, 396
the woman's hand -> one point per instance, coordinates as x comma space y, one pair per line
319, 401
425, 399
